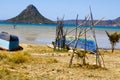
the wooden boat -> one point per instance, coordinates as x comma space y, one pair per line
8, 41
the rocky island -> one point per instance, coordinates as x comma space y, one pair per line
30, 15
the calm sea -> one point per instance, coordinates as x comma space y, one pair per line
43, 34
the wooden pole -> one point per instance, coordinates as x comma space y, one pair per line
84, 62
75, 45
98, 61
76, 26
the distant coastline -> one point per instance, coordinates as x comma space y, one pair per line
114, 22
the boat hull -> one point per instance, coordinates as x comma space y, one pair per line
82, 43
9, 45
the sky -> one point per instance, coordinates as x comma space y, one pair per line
51, 9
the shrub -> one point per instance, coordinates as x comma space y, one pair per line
19, 57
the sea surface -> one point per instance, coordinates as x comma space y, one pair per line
43, 34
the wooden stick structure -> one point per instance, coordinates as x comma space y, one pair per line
80, 30
83, 32
60, 35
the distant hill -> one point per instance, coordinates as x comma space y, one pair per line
115, 22
30, 15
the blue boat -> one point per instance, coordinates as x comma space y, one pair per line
87, 44
8, 41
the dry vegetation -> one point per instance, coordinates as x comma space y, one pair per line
42, 63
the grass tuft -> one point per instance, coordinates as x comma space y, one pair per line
51, 60
19, 57
3, 72
3, 55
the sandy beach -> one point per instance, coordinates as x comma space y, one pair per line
42, 63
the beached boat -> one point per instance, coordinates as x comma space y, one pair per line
8, 41
82, 43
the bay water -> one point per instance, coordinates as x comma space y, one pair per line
43, 34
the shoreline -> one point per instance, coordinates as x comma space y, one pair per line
32, 44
